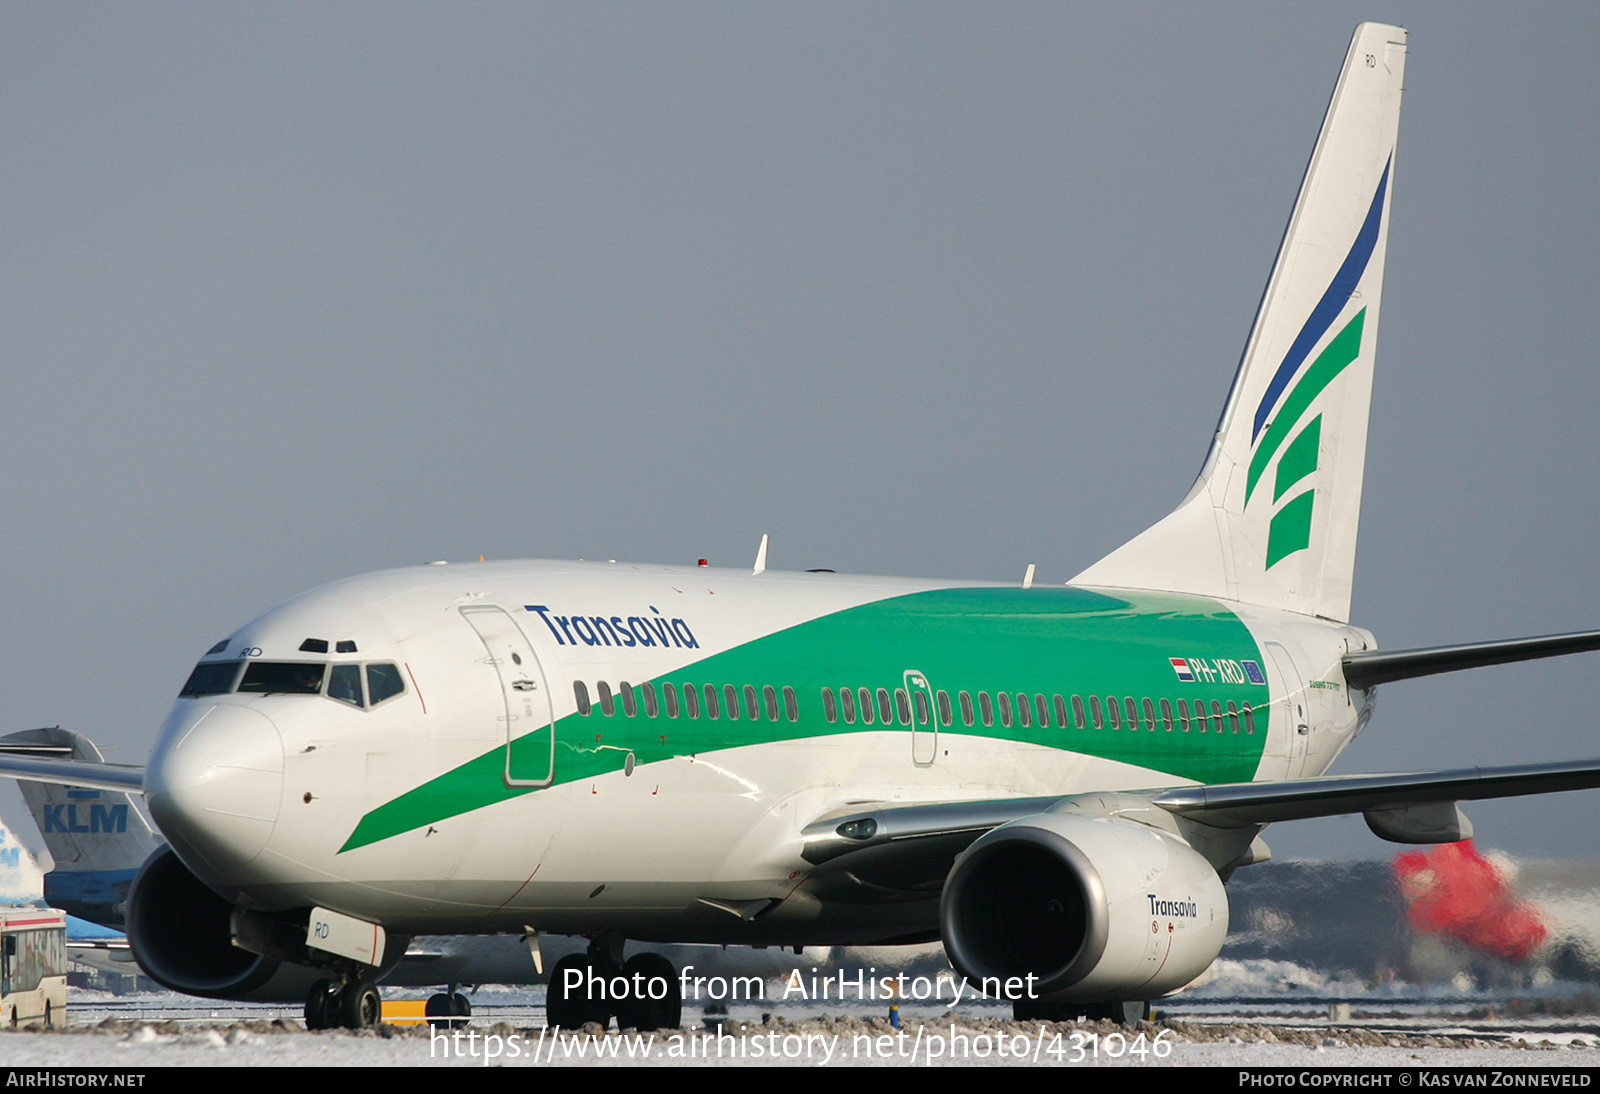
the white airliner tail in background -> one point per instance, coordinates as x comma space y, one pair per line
1272, 518
96, 835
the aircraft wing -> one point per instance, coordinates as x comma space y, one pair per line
909, 848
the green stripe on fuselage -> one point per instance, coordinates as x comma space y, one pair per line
1064, 640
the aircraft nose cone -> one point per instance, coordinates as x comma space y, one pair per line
214, 786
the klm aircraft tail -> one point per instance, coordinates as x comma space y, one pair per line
98, 838
1272, 518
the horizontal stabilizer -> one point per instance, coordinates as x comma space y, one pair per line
35, 762
1368, 669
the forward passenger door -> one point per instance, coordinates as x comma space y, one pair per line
529, 716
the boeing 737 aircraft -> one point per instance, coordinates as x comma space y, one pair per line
1055, 781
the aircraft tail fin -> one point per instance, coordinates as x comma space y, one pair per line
1272, 518
98, 838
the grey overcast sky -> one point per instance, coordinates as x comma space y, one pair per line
295, 291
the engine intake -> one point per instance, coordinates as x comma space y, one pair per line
1091, 907
180, 933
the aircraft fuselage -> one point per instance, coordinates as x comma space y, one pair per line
595, 747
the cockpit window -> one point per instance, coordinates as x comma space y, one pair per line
282, 678
383, 682
344, 684
211, 678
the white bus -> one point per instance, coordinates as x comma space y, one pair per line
33, 967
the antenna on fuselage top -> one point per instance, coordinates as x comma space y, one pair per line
761, 556
1027, 578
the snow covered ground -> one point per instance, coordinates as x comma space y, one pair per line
1288, 1025
849, 1041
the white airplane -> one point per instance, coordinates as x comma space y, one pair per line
1055, 781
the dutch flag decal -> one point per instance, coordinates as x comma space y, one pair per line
1181, 667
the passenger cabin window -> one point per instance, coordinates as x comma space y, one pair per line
649, 690
1043, 711
731, 698
986, 708
922, 708
944, 708
691, 701
1166, 714
1150, 715
1094, 711
1077, 713
608, 706
866, 707
902, 704
828, 711
711, 700
847, 700
771, 698
1061, 713
630, 705
1249, 719
966, 709
791, 704
580, 692
883, 706
669, 699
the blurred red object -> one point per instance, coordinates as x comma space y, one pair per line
1454, 891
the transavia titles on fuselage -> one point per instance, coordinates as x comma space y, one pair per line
1056, 782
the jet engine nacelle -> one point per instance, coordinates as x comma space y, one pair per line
1093, 907
180, 932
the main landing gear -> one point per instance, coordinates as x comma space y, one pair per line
642, 993
349, 1004
448, 1009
